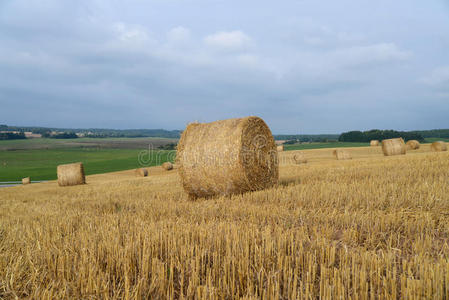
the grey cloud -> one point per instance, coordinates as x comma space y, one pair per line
141, 64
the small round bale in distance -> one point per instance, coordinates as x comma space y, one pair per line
394, 146
412, 145
71, 174
438, 146
141, 172
299, 158
280, 148
374, 143
26, 180
167, 166
227, 157
341, 154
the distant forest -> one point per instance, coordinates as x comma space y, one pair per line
94, 132
351, 136
376, 134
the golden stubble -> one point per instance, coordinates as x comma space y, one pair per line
373, 227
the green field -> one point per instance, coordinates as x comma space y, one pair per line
431, 140
323, 145
38, 158
41, 164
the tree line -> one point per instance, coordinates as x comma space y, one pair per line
376, 134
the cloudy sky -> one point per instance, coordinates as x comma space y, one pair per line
304, 66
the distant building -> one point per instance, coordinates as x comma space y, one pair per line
6, 131
30, 135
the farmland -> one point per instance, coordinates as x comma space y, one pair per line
371, 227
38, 158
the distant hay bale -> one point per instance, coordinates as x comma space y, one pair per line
141, 172
393, 147
71, 174
227, 157
280, 148
412, 145
341, 154
299, 158
374, 143
167, 166
26, 180
438, 146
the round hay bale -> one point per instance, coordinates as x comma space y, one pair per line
438, 146
374, 143
412, 145
299, 158
393, 147
71, 174
227, 157
26, 180
341, 154
142, 172
280, 148
167, 166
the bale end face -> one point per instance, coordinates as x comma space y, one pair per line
141, 172
412, 145
71, 174
299, 158
438, 146
26, 180
167, 166
341, 154
394, 146
374, 143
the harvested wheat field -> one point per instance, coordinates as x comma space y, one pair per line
372, 227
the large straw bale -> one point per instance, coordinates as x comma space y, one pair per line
280, 148
71, 174
141, 172
438, 146
227, 157
26, 180
412, 145
299, 158
341, 154
394, 146
167, 166
374, 143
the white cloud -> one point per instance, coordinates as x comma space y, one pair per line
438, 77
228, 40
130, 33
376, 53
178, 35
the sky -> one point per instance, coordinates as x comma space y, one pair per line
302, 66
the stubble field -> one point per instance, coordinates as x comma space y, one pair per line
373, 227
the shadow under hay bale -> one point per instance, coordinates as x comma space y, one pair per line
412, 145
227, 157
71, 174
394, 147
438, 146
299, 158
26, 180
374, 143
142, 172
341, 154
167, 166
